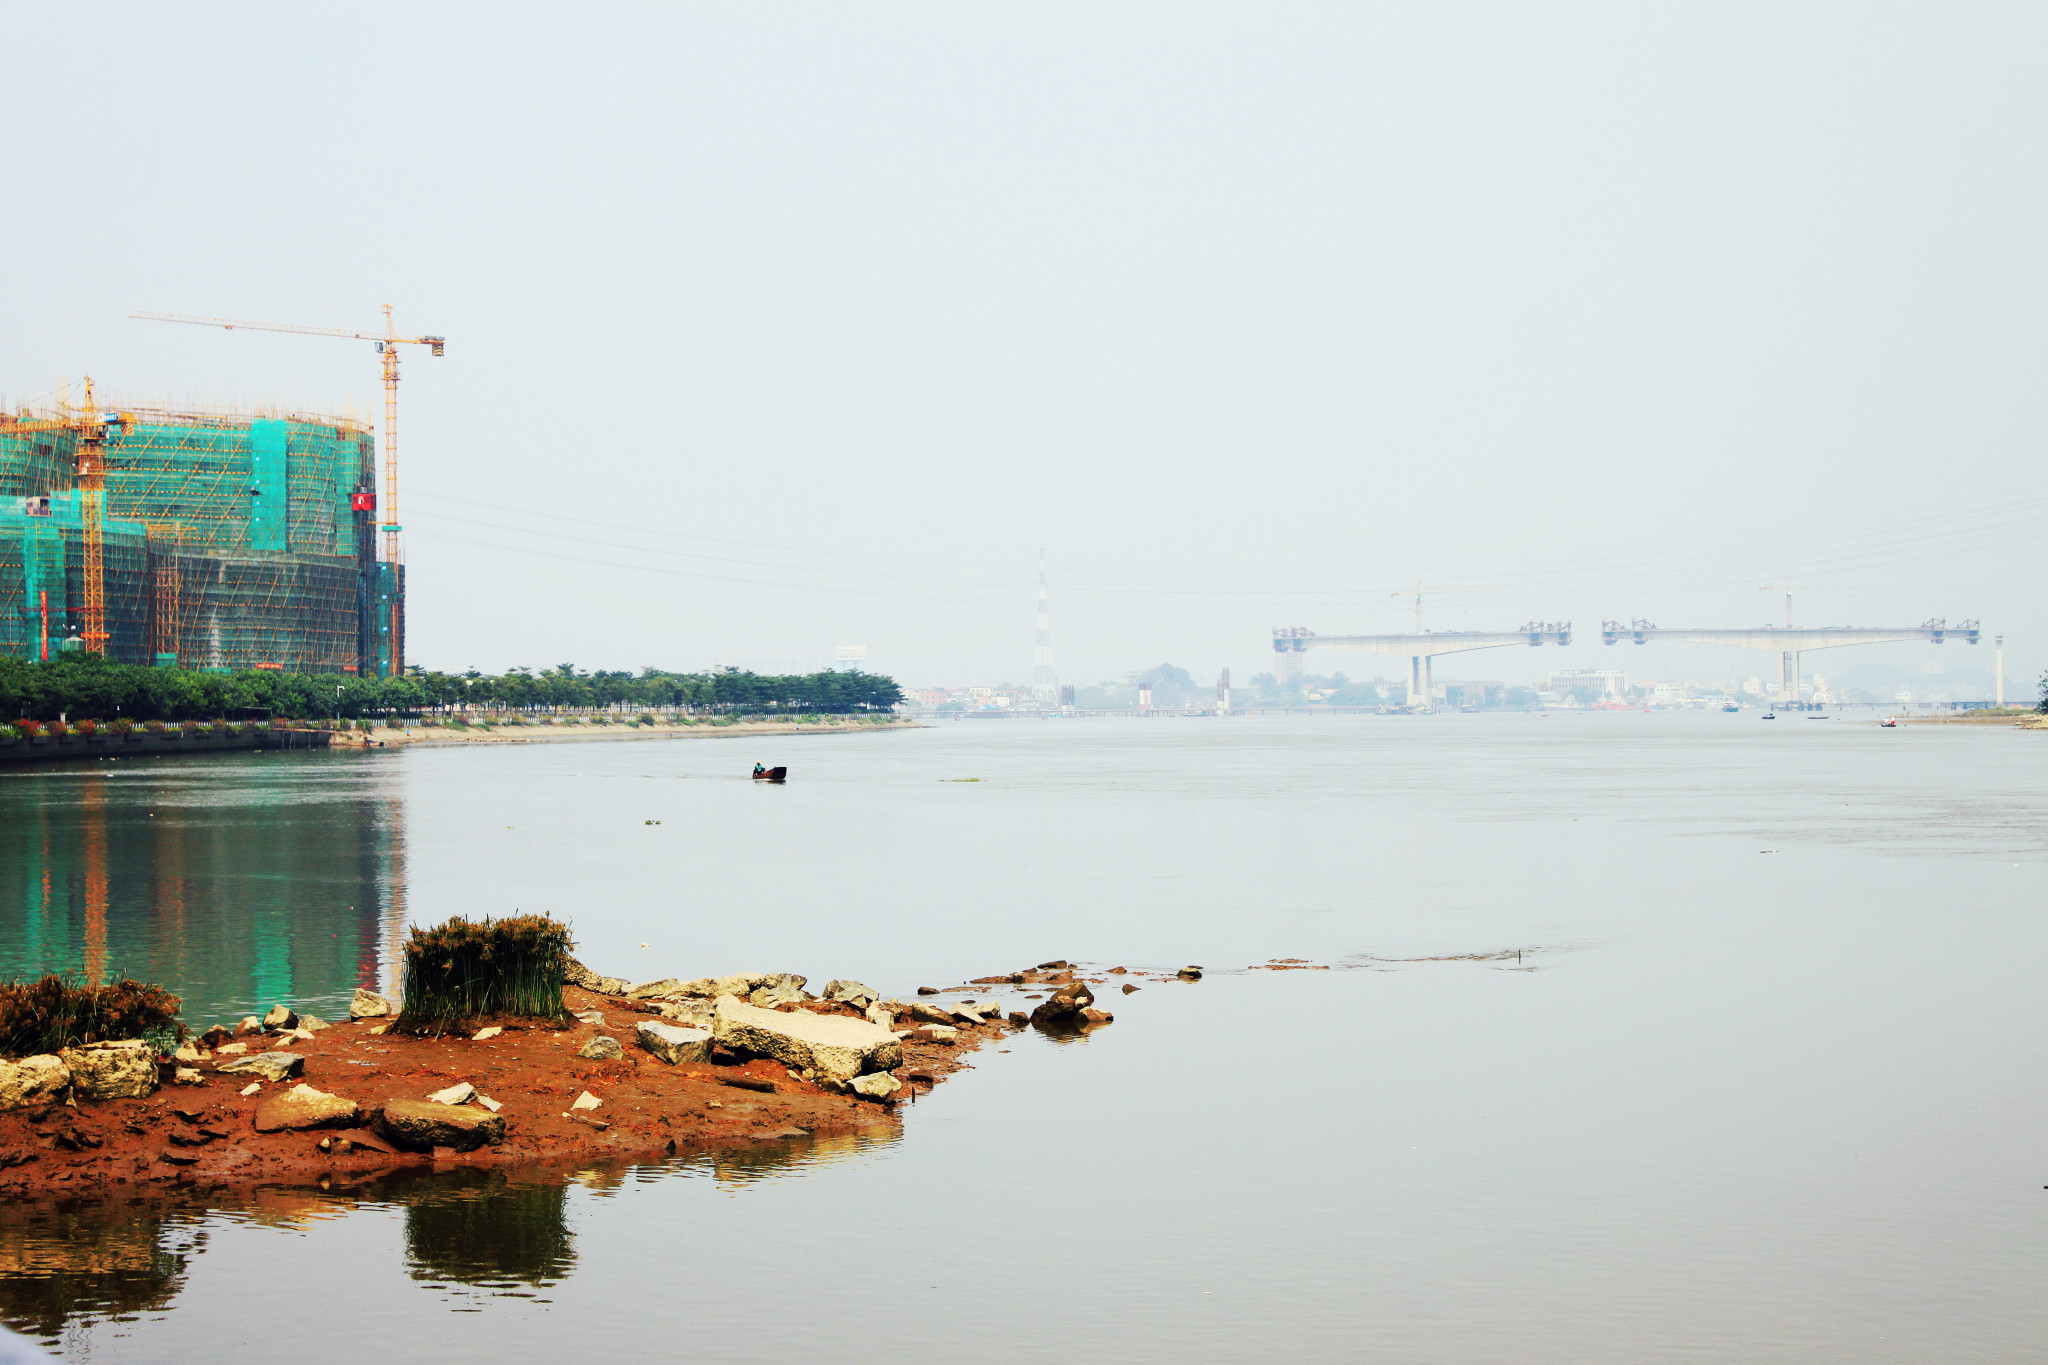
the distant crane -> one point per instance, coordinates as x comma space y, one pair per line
1416, 593
1789, 588
387, 347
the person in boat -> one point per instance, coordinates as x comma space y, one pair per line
760, 771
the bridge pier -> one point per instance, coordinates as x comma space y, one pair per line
1788, 678
1420, 690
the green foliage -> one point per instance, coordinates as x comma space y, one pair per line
460, 972
87, 684
56, 1011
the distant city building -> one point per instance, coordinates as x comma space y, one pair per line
970, 698
1474, 694
1611, 682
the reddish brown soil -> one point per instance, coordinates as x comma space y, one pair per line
206, 1133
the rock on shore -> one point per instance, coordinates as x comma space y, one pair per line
576, 974
368, 1005
111, 1071
1065, 1007
423, 1125
673, 1044
269, 1066
304, 1107
32, 1081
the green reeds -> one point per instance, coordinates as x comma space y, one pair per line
459, 972
57, 1012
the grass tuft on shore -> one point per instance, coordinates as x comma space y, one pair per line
462, 971
55, 1012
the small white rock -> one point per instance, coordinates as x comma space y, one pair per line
481, 1034
586, 1100
252, 1087
462, 1092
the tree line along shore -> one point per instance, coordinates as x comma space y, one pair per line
79, 686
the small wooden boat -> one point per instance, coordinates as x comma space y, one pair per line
771, 774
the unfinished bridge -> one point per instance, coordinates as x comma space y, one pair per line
1789, 642
1291, 642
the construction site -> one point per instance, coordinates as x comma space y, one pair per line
216, 538
190, 537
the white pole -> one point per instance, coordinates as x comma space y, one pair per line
1998, 642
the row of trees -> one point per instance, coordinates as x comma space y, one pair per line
90, 685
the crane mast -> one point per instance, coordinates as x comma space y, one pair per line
92, 486
387, 352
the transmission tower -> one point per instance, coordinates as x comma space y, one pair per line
1044, 686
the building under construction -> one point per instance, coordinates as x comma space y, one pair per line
201, 539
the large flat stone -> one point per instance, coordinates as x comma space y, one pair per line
111, 1071
673, 1043
421, 1125
304, 1107
33, 1080
270, 1066
831, 1044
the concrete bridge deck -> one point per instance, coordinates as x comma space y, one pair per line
1419, 648
1788, 642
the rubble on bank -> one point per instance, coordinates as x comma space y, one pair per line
711, 1062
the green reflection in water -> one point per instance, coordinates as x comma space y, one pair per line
70, 1264
235, 881
489, 1229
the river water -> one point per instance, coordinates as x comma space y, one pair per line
1764, 1083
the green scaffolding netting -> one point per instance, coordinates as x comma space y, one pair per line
229, 542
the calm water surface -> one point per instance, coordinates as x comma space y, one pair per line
1766, 1084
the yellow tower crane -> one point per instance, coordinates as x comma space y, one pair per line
85, 419
387, 348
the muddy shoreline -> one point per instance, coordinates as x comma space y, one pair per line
443, 736
203, 1135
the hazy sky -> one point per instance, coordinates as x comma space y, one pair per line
773, 328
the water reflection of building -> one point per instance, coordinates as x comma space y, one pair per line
234, 883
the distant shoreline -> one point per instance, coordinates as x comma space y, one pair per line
442, 736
